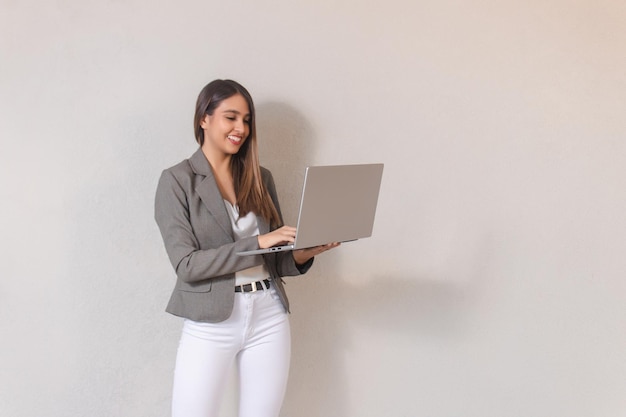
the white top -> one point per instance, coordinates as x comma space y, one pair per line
245, 226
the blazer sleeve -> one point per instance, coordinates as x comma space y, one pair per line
192, 262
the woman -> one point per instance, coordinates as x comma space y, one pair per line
209, 207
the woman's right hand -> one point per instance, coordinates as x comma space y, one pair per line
281, 236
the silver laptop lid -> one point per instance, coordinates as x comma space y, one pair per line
338, 204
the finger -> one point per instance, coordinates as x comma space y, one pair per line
328, 246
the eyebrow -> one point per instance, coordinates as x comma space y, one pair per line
236, 112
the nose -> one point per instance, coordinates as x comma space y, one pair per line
240, 126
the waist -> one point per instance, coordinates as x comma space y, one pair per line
253, 274
254, 286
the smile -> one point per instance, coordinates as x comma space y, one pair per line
235, 139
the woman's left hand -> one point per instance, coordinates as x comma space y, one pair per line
301, 256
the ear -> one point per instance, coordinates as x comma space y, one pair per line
204, 123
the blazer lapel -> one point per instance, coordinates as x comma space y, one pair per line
209, 192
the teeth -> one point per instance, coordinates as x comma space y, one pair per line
234, 138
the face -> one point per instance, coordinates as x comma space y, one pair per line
226, 130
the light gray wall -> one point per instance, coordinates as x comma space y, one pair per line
494, 284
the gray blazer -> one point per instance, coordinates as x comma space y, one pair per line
198, 236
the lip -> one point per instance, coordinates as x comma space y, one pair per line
235, 139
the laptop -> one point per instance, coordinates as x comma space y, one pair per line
338, 204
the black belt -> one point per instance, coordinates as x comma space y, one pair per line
254, 286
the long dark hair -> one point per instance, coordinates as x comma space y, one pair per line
252, 195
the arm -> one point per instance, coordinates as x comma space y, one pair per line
193, 260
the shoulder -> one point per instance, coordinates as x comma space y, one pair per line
182, 171
266, 175
178, 177
268, 179
188, 168
183, 168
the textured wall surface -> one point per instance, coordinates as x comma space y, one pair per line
494, 284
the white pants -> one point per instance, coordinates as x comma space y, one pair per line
256, 338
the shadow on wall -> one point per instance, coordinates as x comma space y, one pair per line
346, 334
329, 308
286, 147
333, 308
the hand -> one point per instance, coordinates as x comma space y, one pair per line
280, 236
301, 256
